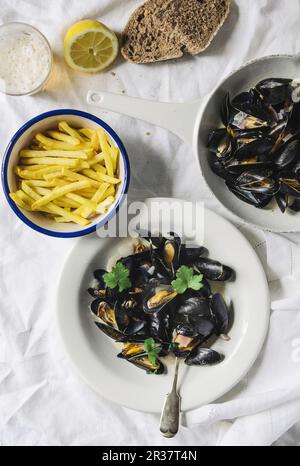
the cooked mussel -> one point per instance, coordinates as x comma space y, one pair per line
274, 90
194, 306
110, 331
157, 296
203, 357
220, 143
259, 142
220, 314
136, 355
188, 255
104, 310
98, 287
213, 270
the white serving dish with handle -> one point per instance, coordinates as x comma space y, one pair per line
191, 121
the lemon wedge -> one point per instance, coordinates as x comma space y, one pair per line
89, 46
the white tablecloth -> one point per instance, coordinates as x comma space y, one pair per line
42, 402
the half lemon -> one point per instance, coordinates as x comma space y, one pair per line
89, 46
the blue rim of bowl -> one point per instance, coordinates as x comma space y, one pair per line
14, 139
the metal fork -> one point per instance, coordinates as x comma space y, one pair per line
169, 421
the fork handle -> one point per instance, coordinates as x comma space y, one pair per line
169, 422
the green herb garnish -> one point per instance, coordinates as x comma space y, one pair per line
185, 279
152, 350
119, 276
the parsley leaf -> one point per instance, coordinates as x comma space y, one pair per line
152, 350
149, 344
185, 279
119, 276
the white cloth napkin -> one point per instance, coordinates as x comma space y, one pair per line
42, 402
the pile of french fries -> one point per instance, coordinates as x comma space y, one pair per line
68, 174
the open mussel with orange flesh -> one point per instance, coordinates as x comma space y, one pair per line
136, 355
158, 294
263, 128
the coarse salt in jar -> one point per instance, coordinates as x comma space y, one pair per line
25, 59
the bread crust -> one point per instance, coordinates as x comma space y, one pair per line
165, 29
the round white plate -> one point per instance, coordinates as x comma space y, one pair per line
94, 355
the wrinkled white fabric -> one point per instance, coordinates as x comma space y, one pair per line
42, 402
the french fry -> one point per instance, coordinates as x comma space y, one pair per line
49, 161
59, 192
17, 200
95, 141
87, 132
57, 174
49, 143
41, 183
92, 174
97, 197
114, 153
64, 138
99, 168
64, 126
106, 178
79, 176
96, 159
74, 154
106, 152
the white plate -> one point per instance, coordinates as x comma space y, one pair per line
94, 355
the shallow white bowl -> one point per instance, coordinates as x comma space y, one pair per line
24, 136
94, 355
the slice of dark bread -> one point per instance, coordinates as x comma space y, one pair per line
165, 29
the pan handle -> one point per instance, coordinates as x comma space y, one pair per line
180, 118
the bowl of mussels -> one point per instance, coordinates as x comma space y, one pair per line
249, 143
158, 302
257, 150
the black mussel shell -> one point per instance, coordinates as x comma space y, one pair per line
145, 364
194, 306
257, 181
252, 149
204, 327
135, 326
226, 110
188, 255
290, 186
213, 270
110, 331
99, 287
121, 316
160, 328
295, 206
203, 357
274, 90
219, 168
220, 314
282, 199
135, 260
287, 155
251, 105
257, 200
98, 274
